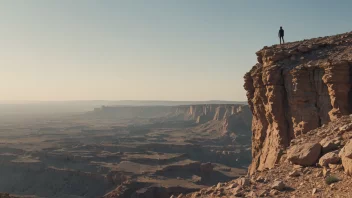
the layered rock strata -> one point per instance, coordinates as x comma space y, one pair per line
295, 88
205, 113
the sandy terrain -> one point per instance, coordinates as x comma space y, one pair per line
75, 156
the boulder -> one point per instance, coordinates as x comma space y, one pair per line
329, 158
346, 151
346, 157
347, 165
329, 144
306, 154
278, 185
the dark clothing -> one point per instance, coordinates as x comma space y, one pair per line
281, 35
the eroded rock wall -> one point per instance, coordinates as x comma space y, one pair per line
205, 113
295, 88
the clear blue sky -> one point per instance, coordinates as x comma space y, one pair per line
154, 50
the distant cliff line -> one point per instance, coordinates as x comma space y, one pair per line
199, 112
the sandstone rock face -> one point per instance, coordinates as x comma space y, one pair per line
295, 88
219, 112
306, 154
239, 120
346, 157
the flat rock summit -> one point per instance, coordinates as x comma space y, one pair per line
300, 94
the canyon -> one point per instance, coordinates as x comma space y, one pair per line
124, 151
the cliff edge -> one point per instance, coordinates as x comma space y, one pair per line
294, 88
300, 95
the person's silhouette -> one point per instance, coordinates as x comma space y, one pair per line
281, 35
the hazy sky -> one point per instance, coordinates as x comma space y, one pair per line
154, 50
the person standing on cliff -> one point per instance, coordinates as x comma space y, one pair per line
281, 35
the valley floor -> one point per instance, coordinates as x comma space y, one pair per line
74, 157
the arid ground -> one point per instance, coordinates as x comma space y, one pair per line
90, 155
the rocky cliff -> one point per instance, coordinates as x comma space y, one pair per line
219, 112
295, 88
300, 95
231, 116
